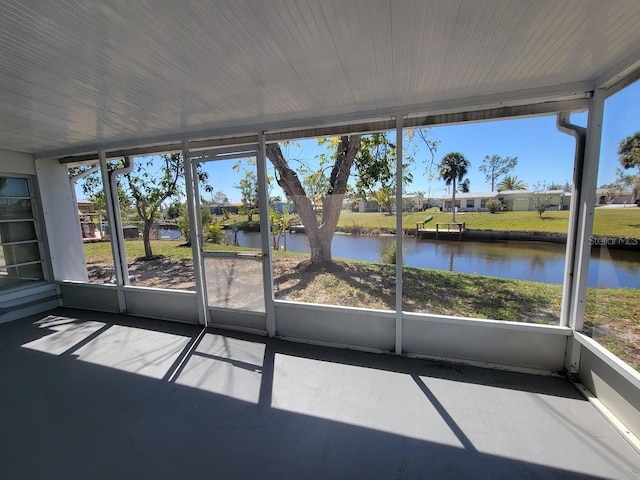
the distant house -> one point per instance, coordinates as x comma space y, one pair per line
515, 200
368, 206
413, 202
85, 207
282, 206
166, 231
524, 200
467, 202
219, 210
89, 221
609, 196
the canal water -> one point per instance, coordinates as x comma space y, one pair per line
536, 261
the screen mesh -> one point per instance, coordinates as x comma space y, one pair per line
235, 282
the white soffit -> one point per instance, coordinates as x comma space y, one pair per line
86, 73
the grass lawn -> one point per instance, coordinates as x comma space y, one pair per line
618, 222
100, 252
621, 222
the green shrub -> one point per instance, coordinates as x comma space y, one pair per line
389, 254
494, 205
214, 232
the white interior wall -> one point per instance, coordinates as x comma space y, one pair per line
16, 163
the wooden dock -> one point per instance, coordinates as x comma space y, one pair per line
446, 229
296, 226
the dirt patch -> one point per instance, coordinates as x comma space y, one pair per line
622, 340
160, 272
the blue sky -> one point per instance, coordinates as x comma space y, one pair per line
543, 153
621, 119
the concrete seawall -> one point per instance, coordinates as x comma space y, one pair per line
494, 236
616, 243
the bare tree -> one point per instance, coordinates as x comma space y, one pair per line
495, 166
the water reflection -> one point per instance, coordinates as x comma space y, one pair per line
535, 261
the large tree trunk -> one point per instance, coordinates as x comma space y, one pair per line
320, 233
320, 244
146, 239
453, 202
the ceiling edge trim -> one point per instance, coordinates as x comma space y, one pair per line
627, 68
356, 122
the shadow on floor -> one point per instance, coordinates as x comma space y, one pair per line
90, 395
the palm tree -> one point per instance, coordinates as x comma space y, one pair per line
629, 151
511, 183
453, 167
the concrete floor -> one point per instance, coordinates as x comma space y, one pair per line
91, 396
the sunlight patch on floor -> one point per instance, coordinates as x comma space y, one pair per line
134, 350
225, 366
366, 397
67, 335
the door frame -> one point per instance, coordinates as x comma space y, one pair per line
230, 318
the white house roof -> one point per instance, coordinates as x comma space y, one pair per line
531, 192
82, 74
604, 191
469, 195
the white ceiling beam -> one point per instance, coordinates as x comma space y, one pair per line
234, 144
621, 74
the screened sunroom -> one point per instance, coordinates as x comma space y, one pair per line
289, 332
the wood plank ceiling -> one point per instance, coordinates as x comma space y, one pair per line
77, 73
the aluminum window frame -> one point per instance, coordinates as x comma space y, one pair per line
40, 235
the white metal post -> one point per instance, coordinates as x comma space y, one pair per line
399, 234
267, 273
113, 183
579, 133
113, 230
196, 251
586, 206
199, 233
198, 228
